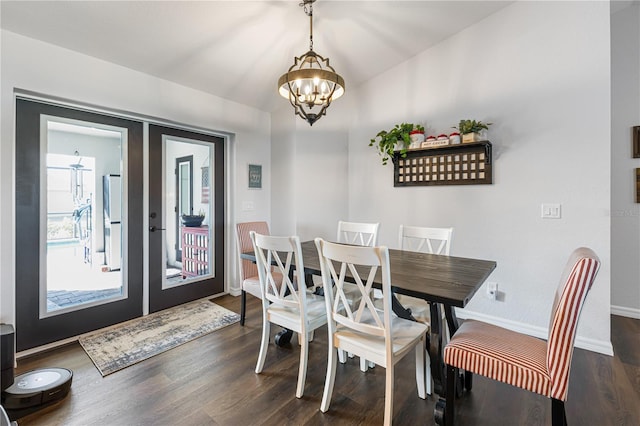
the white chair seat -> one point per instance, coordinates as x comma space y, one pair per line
290, 317
373, 348
252, 284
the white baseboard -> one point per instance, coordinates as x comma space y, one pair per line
589, 344
625, 312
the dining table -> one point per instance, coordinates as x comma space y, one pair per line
446, 282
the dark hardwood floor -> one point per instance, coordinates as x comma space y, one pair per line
211, 381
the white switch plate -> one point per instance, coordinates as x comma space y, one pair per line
551, 211
248, 206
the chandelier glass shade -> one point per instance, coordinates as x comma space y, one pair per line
311, 84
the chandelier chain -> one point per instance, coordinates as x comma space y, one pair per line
309, 12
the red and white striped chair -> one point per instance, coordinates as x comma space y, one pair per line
248, 269
521, 360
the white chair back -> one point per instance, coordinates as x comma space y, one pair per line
279, 254
361, 234
342, 263
426, 240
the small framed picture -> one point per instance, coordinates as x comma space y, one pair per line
636, 142
255, 176
638, 185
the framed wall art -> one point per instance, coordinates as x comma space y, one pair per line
638, 185
255, 176
636, 141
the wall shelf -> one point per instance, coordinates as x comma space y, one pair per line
460, 164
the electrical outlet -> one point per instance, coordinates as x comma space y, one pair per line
492, 290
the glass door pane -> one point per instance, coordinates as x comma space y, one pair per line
186, 206
83, 198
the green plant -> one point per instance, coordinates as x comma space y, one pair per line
472, 126
386, 141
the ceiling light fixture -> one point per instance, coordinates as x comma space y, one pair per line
311, 84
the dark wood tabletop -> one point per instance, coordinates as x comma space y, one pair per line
449, 280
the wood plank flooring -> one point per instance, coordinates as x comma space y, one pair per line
211, 381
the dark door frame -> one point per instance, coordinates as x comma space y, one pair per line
31, 330
160, 298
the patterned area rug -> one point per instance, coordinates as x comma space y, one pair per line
122, 345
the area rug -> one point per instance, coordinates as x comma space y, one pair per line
125, 344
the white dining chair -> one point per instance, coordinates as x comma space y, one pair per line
376, 335
360, 234
424, 240
289, 305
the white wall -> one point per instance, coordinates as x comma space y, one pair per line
540, 71
625, 113
310, 172
39, 67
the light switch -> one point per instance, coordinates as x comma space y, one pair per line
551, 211
248, 206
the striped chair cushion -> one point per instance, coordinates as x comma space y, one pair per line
500, 354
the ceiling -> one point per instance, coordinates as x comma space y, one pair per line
238, 49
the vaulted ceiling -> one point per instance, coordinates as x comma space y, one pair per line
238, 49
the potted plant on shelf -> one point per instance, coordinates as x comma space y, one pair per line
193, 220
416, 136
470, 130
396, 139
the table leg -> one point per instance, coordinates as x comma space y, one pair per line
435, 349
400, 310
452, 322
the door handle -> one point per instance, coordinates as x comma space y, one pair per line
154, 229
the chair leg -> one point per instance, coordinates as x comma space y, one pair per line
342, 356
330, 379
388, 393
420, 373
266, 330
304, 356
558, 415
452, 376
363, 365
243, 306
428, 378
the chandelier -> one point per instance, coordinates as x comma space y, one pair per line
311, 84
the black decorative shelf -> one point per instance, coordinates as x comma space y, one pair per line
460, 164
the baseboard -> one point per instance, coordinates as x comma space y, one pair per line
625, 312
586, 343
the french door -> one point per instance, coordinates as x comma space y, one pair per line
78, 226
186, 216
